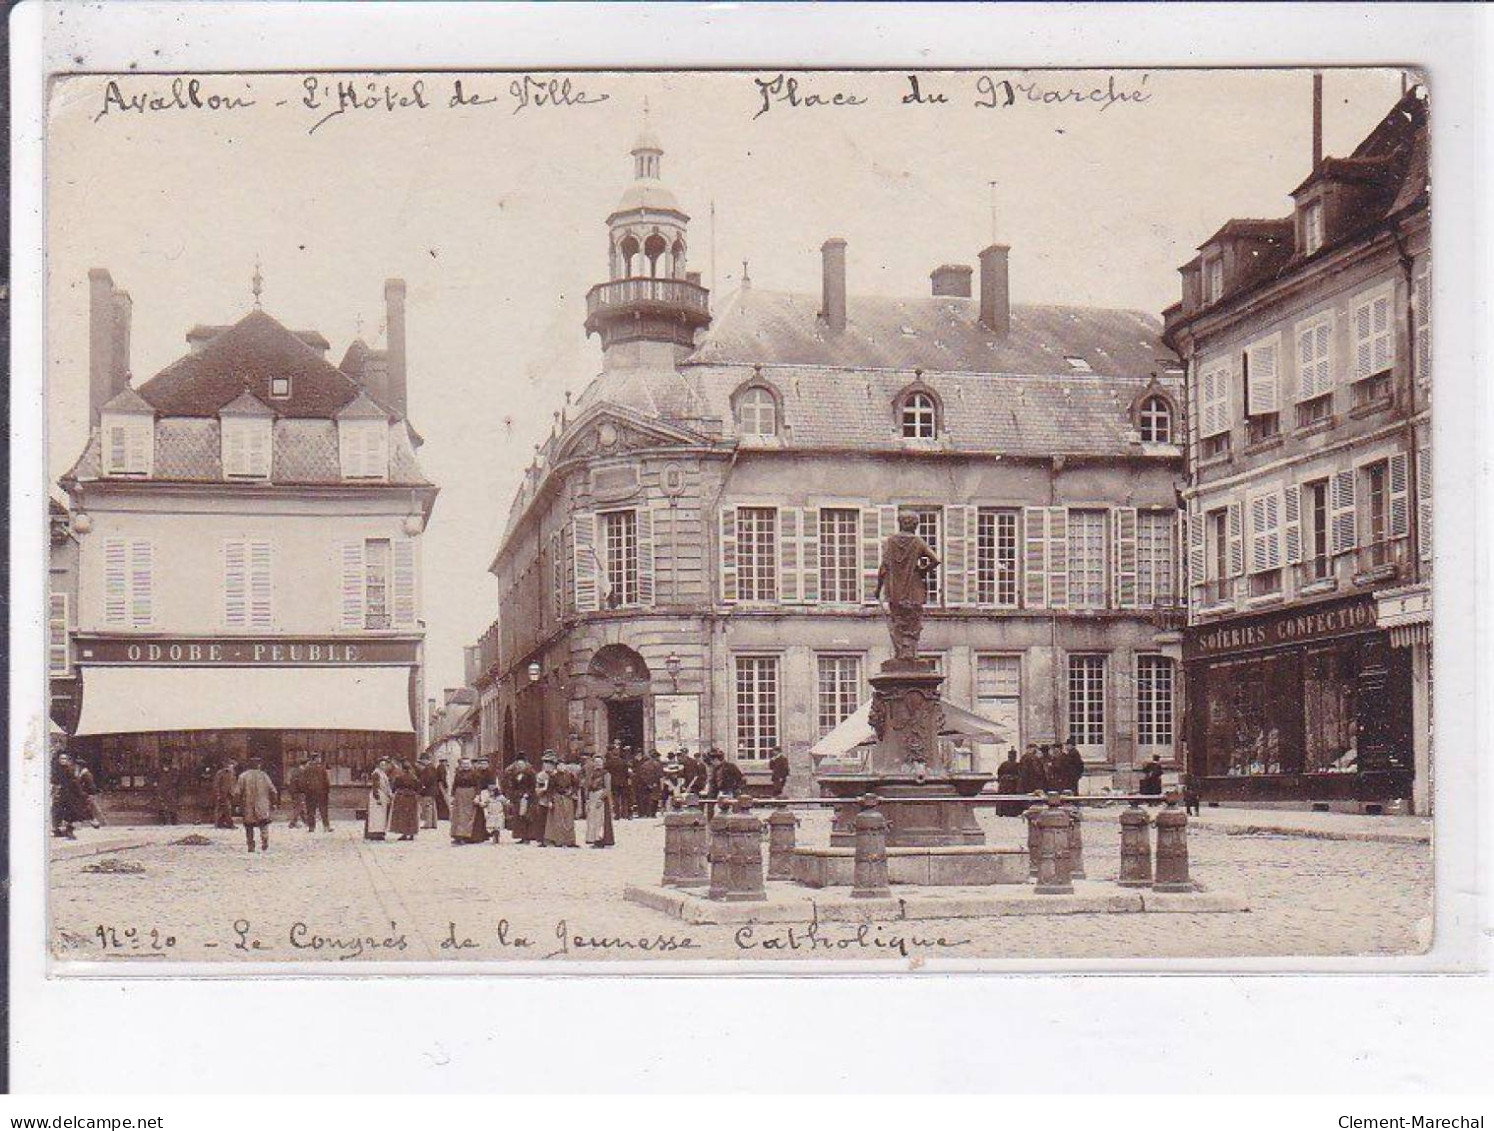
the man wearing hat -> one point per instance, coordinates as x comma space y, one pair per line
726, 780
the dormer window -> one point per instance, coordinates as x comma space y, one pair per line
1155, 421
1213, 280
919, 416
246, 447
364, 447
757, 412
128, 443
1312, 227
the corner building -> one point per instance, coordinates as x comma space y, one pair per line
247, 525
691, 558
1308, 348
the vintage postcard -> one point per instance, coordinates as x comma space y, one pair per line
685, 517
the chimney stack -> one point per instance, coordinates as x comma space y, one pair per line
121, 354
102, 340
394, 302
951, 279
995, 296
833, 284
1317, 120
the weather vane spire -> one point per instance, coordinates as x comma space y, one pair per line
257, 283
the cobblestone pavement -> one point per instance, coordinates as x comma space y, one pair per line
334, 896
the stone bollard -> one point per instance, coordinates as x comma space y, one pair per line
869, 871
736, 855
781, 826
1172, 849
1136, 848
1034, 836
686, 842
1053, 851
1076, 839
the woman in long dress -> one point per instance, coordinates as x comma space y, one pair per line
464, 788
598, 785
560, 824
376, 824
404, 815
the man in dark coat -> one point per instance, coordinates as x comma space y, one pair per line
297, 792
616, 765
778, 767
316, 788
1034, 777
223, 782
1151, 778
726, 780
1071, 764
518, 787
648, 779
697, 777
1009, 781
168, 792
1052, 776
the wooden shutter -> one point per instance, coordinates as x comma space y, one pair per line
119, 448
1263, 384
142, 583
1291, 506
1307, 369
809, 531
1123, 554
955, 555
140, 434
557, 575
352, 583
350, 450
1197, 555
58, 657
1035, 557
1058, 557
646, 552
235, 585
259, 449
404, 583
261, 586
584, 562
972, 558
116, 582
790, 573
1341, 511
1424, 502
1236, 532
871, 554
1374, 343
233, 448
1422, 305
1400, 495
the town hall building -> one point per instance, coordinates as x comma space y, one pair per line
691, 558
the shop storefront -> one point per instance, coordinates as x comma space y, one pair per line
193, 703
1307, 704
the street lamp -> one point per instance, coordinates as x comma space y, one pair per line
672, 665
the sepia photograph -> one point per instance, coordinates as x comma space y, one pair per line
685, 517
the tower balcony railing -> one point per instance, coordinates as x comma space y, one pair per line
672, 294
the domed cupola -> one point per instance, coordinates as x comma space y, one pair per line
650, 297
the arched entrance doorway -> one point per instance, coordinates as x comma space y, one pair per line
619, 677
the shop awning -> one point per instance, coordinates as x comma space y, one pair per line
856, 730
134, 700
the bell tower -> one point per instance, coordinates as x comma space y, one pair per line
652, 306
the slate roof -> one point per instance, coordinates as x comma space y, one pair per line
305, 452
128, 400
249, 353
942, 333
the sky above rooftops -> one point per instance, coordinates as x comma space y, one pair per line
496, 221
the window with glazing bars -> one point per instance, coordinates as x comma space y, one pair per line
757, 707
840, 690
1154, 701
620, 545
1087, 700
996, 560
1087, 559
840, 567
1155, 558
757, 553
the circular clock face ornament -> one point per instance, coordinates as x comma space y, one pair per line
607, 435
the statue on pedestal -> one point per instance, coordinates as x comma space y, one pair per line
907, 561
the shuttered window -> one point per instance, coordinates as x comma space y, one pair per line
618, 531
1262, 378
59, 657
1315, 357
129, 583
127, 444
1155, 555
246, 448
1374, 335
1213, 398
364, 448
586, 566
1086, 559
929, 529
376, 575
1424, 502
1422, 313
248, 585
